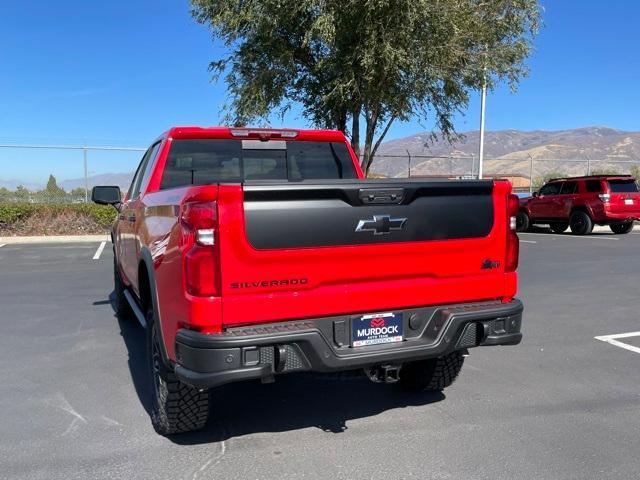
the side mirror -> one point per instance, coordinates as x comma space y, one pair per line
536, 194
106, 195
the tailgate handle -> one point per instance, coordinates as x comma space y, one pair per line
377, 196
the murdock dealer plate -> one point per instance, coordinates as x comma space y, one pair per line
376, 328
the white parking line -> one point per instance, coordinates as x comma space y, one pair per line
528, 241
613, 340
2, 245
586, 237
99, 251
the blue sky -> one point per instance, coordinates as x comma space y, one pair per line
121, 72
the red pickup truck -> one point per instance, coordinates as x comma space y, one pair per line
250, 253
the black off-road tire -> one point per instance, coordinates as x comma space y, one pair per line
175, 406
621, 228
581, 223
559, 227
523, 222
122, 307
431, 375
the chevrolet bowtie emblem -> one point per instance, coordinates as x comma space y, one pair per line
381, 224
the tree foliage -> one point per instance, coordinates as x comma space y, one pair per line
541, 180
52, 189
373, 60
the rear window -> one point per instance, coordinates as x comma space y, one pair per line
201, 162
622, 186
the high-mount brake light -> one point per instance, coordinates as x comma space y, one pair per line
513, 242
201, 254
263, 134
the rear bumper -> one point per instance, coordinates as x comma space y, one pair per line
322, 345
615, 217
606, 214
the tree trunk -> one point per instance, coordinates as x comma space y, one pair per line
355, 131
341, 120
370, 130
370, 148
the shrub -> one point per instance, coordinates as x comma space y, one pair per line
10, 213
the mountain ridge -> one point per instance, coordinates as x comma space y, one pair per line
510, 151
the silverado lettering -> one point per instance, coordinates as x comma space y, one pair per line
271, 283
217, 219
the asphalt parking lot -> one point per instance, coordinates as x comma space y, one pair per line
562, 405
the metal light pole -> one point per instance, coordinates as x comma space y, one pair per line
483, 102
530, 175
86, 176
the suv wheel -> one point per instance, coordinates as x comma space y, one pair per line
175, 406
580, 223
620, 228
122, 307
431, 375
522, 221
559, 227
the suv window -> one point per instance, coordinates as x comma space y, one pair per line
550, 189
593, 186
201, 162
568, 188
622, 186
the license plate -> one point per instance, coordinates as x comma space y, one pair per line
377, 328
628, 201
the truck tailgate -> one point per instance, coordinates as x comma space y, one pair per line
312, 249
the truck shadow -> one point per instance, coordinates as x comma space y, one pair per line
297, 401
293, 402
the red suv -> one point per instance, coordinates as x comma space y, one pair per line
581, 202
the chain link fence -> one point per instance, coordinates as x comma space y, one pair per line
66, 174
62, 173
526, 174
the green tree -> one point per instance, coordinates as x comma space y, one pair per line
78, 192
5, 194
541, 180
21, 193
52, 191
378, 61
52, 186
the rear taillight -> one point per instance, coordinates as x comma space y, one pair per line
513, 243
199, 221
605, 197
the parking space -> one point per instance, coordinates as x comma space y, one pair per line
562, 405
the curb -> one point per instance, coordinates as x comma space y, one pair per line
55, 239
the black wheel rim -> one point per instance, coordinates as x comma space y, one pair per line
578, 224
155, 362
519, 221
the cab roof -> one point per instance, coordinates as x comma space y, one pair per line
229, 133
